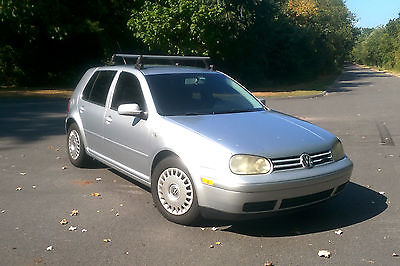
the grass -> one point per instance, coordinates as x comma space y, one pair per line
12, 92
302, 89
393, 72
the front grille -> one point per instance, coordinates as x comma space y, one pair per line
303, 200
290, 163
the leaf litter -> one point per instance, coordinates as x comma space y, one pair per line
74, 213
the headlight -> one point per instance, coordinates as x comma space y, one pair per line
249, 165
337, 151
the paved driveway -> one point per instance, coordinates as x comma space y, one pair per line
362, 110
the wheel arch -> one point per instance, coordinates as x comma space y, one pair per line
68, 123
160, 156
71, 120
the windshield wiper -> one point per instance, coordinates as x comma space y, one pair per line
237, 111
194, 113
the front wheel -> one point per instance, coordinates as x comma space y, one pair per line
173, 191
75, 147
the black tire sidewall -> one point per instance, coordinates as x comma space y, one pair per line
193, 214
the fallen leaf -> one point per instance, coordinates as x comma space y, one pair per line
63, 222
106, 240
95, 194
49, 248
72, 228
38, 260
324, 254
22, 173
84, 230
18, 188
74, 213
64, 167
339, 232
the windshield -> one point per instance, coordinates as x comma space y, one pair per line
199, 94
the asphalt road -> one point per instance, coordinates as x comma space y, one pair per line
362, 109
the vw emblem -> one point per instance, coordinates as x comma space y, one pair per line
306, 161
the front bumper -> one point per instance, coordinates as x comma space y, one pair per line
323, 183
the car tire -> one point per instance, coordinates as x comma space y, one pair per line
173, 191
75, 147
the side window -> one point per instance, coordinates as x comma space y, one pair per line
127, 90
89, 86
97, 88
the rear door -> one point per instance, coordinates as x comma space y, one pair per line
126, 138
92, 108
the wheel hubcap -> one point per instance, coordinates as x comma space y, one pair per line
175, 191
74, 144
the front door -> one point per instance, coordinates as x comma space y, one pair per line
126, 137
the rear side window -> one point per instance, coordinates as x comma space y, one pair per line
96, 89
127, 90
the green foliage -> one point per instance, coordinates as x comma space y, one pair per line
380, 47
54, 41
252, 39
179, 27
9, 70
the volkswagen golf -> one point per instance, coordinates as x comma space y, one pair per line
202, 142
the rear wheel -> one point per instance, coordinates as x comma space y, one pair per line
76, 149
173, 191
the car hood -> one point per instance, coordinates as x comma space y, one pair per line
267, 133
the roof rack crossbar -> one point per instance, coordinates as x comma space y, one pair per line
140, 58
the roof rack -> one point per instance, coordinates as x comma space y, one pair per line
173, 60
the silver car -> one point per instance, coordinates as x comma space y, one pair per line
202, 142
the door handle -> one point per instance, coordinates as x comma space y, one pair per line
81, 109
108, 120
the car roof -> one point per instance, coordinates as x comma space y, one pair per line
159, 69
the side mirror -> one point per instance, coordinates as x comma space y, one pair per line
131, 109
262, 100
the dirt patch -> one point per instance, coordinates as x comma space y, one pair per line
82, 183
